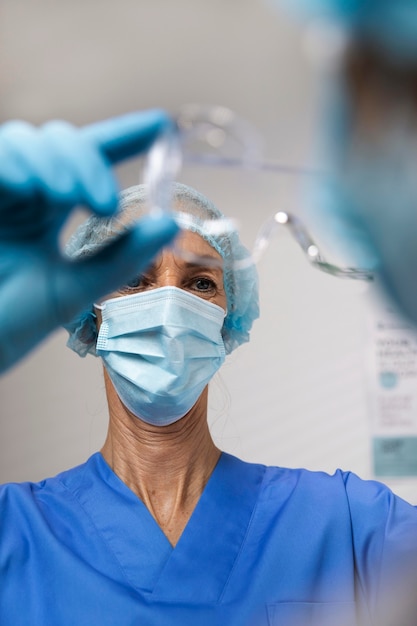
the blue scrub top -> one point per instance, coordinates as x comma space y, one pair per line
264, 546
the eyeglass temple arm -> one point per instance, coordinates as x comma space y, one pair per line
307, 244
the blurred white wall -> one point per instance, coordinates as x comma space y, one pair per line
297, 394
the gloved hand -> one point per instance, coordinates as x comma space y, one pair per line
44, 173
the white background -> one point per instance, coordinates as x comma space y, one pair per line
297, 395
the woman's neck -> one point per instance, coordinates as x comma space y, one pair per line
167, 467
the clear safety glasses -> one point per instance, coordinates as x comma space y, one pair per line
219, 154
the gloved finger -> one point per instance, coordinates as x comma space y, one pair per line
90, 278
32, 176
89, 151
86, 177
20, 158
123, 137
69, 165
48, 163
53, 164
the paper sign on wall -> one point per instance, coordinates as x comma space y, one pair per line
393, 391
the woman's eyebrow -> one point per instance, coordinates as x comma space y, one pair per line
152, 267
206, 262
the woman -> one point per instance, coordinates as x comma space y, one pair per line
161, 527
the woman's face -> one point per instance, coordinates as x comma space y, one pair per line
171, 270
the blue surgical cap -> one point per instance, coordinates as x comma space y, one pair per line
193, 211
389, 24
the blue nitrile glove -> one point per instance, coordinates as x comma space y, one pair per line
44, 173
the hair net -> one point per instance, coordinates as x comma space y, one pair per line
390, 24
192, 210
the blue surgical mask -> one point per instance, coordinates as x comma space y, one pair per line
160, 348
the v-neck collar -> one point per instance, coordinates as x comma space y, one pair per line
208, 548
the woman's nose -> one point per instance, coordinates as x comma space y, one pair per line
168, 279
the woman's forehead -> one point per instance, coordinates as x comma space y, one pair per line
189, 251
187, 240
194, 243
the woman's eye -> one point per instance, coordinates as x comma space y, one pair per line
136, 284
204, 284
